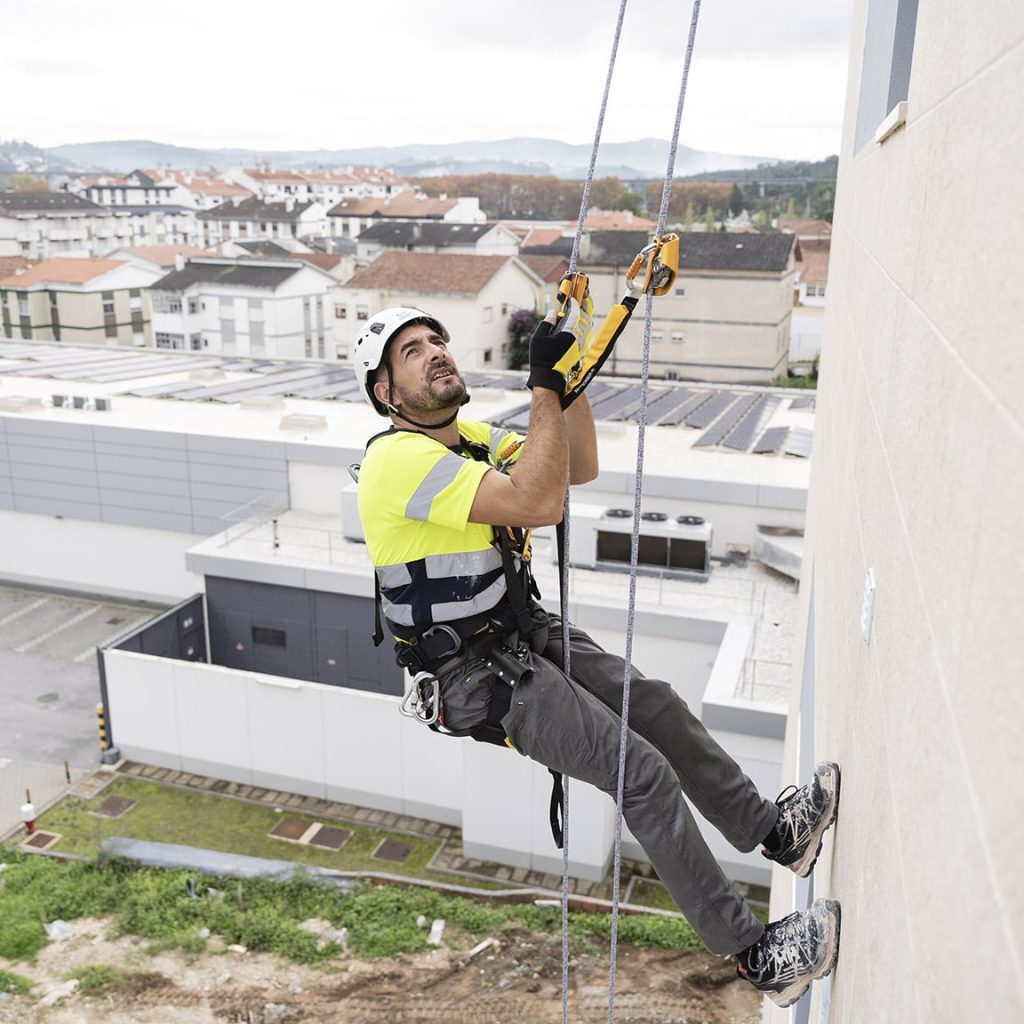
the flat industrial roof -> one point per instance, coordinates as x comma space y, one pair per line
694, 430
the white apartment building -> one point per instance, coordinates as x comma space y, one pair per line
254, 307
41, 225
203, 190
435, 236
913, 586
138, 189
285, 220
352, 216
472, 295
809, 300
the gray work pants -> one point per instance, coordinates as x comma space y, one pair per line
573, 726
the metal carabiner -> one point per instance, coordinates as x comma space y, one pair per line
659, 261
422, 699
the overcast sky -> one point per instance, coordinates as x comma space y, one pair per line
768, 78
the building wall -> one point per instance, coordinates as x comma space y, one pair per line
339, 743
715, 326
919, 471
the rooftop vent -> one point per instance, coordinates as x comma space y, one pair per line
261, 403
303, 421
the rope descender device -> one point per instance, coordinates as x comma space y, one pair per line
652, 272
659, 264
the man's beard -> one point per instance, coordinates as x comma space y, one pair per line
430, 398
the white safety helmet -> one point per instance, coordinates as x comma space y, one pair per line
374, 338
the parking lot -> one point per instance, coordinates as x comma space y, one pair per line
49, 688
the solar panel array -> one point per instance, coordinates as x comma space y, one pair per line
729, 419
771, 441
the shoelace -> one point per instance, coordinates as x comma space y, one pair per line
797, 810
788, 947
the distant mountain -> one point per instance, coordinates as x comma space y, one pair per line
643, 158
24, 158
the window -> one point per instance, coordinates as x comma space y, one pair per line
679, 336
886, 65
255, 309
340, 312
227, 331
256, 337
362, 312
108, 304
680, 292
657, 335
488, 314
271, 637
173, 304
487, 355
195, 342
22, 305
193, 304
175, 341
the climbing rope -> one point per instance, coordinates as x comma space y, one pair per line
563, 578
635, 538
666, 193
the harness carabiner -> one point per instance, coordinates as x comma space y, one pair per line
659, 261
422, 699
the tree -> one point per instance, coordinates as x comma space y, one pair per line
791, 209
737, 200
521, 325
709, 219
629, 200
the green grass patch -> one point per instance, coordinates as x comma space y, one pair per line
14, 984
265, 915
96, 979
167, 814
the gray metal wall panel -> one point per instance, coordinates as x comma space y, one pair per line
48, 430
121, 437
49, 473
143, 465
60, 453
136, 484
236, 446
135, 499
87, 494
202, 509
150, 519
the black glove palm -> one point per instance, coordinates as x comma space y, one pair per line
552, 356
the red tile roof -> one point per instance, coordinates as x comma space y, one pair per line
428, 272
9, 264
805, 228
549, 269
813, 266
63, 270
617, 220
405, 204
164, 254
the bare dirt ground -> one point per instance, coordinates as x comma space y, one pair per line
517, 981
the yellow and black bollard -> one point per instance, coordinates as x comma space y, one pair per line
101, 723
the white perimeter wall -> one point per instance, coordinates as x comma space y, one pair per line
101, 558
352, 746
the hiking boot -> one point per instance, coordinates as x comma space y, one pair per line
804, 816
793, 952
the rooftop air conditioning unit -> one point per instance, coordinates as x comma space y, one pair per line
678, 545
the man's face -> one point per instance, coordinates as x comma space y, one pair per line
424, 378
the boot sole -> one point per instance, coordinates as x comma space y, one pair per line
805, 865
788, 996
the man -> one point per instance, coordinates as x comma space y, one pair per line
444, 503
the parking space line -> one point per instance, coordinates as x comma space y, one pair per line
90, 652
23, 611
73, 621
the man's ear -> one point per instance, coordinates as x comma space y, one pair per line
382, 392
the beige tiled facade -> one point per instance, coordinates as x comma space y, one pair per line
919, 476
